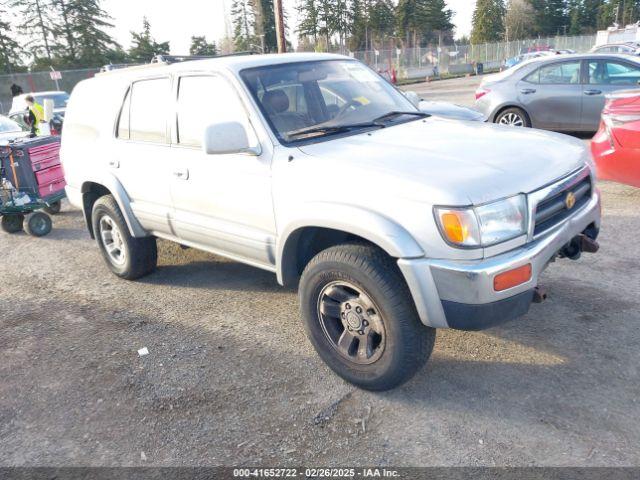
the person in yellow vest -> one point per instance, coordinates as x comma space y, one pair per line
36, 114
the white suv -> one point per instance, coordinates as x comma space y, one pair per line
392, 222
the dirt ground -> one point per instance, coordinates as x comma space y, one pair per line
231, 379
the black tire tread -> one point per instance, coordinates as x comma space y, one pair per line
519, 111
30, 231
374, 263
143, 252
10, 224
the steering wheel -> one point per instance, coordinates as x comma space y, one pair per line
351, 103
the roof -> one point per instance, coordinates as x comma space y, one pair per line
234, 63
582, 56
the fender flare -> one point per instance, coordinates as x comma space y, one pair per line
111, 183
372, 226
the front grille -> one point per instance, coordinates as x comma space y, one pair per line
553, 210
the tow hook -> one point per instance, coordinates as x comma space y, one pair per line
588, 244
539, 294
582, 243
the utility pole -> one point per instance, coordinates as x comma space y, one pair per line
279, 14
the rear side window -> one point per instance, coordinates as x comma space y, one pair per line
567, 73
148, 110
203, 100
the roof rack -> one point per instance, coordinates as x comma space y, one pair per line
169, 59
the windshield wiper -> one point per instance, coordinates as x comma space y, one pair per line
330, 129
391, 115
378, 122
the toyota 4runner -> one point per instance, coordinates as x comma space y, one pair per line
391, 222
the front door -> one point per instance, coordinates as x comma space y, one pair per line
552, 96
604, 77
223, 202
142, 162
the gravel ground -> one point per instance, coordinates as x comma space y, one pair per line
231, 379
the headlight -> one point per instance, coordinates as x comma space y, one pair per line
485, 225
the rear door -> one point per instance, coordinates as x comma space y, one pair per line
605, 76
552, 95
143, 152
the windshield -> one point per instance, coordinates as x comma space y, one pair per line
7, 125
60, 100
324, 98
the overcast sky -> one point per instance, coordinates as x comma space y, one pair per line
177, 21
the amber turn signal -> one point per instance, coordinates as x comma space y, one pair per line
512, 278
454, 229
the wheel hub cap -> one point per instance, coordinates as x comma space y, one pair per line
112, 240
351, 322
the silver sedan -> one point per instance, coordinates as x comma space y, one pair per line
563, 93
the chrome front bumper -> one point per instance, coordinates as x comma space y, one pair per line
461, 286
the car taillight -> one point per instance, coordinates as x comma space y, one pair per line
616, 120
481, 92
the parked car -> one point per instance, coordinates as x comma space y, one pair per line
60, 100
444, 109
629, 48
563, 93
616, 146
391, 222
9, 130
512, 62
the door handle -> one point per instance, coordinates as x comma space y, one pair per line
528, 91
592, 92
181, 174
113, 163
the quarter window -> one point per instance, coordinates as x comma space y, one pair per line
203, 100
148, 110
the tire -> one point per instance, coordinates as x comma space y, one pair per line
12, 223
127, 257
396, 343
37, 224
54, 208
514, 117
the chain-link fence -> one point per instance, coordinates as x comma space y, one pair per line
412, 63
40, 82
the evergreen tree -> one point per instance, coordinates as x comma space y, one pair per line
381, 20
84, 26
488, 24
9, 47
36, 24
420, 21
266, 25
200, 46
308, 19
244, 24
144, 47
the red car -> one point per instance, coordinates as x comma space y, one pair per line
616, 146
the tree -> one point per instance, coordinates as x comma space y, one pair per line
84, 26
9, 47
200, 46
266, 25
381, 20
421, 21
244, 24
308, 19
36, 24
488, 25
517, 20
144, 47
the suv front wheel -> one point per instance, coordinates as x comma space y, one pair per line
361, 319
128, 257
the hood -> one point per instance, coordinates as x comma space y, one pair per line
451, 162
450, 110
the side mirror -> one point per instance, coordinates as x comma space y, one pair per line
413, 97
227, 137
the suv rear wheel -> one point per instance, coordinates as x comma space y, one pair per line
128, 257
360, 317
